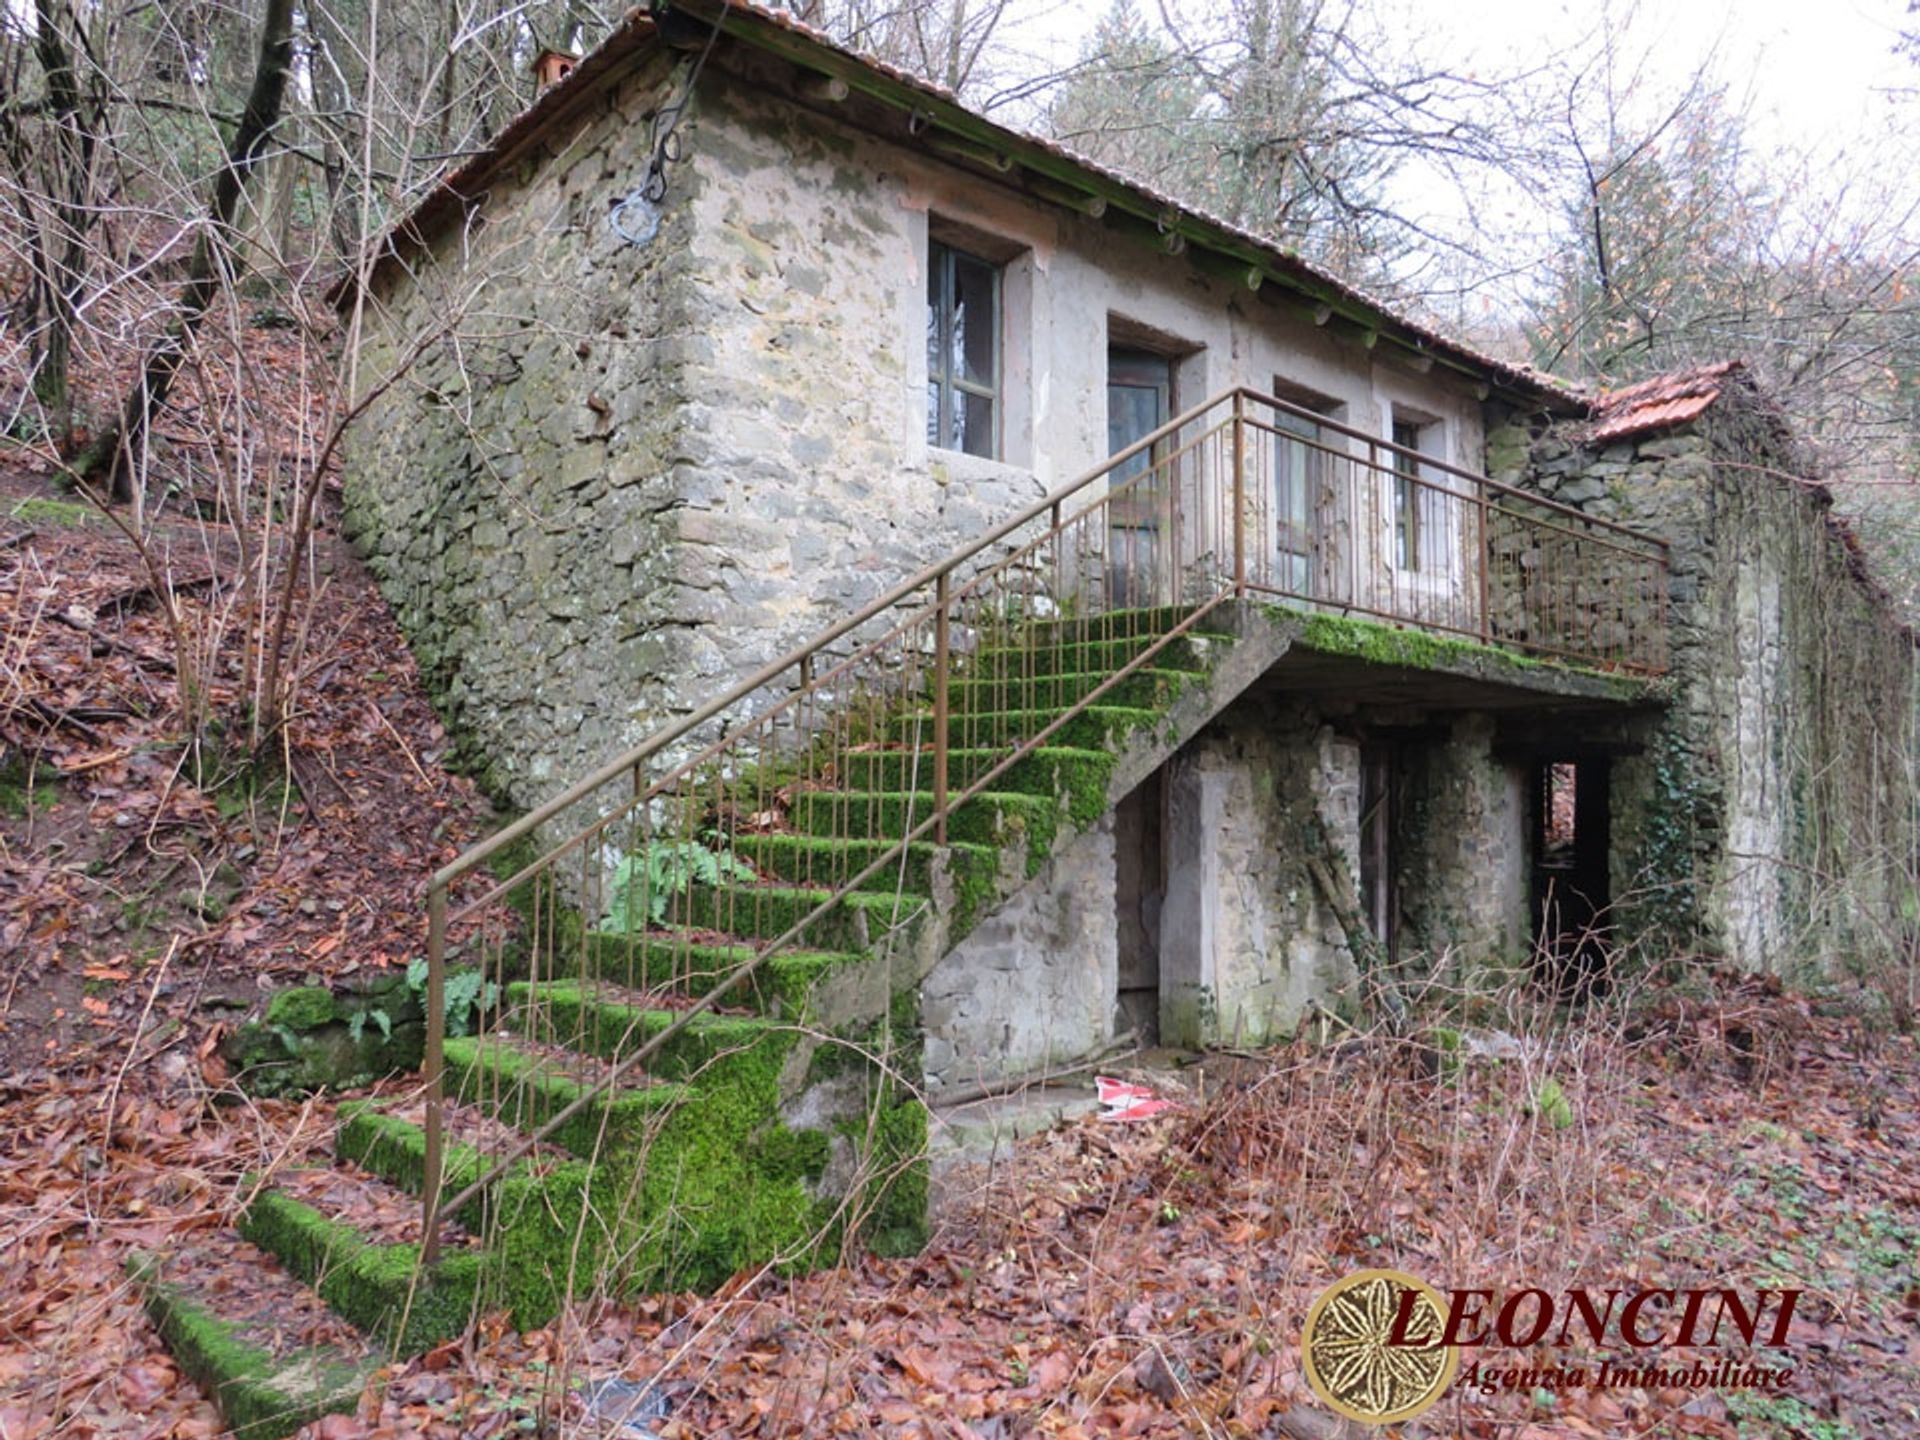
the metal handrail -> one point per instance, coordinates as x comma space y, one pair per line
619, 766
1168, 451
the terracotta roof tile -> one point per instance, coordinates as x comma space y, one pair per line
1659, 403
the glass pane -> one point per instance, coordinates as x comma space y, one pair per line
1294, 474
937, 263
977, 418
1133, 411
975, 326
933, 413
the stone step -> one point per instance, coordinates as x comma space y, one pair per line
531, 1215
396, 1151
224, 1311
670, 960
1097, 727
1142, 624
1051, 771
995, 818
608, 1023
1082, 657
382, 1289
854, 922
1150, 688
523, 1086
825, 862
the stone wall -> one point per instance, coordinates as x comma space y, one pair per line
1245, 941
1767, 815
514, 489
1463, 843
1033, 986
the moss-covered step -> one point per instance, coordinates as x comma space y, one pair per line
396, 1151
384, 1290
994, 818
1051, 771
818, 860
1087, 657
721, 1183
1092, 728
855, 921
1143, 624
525, 1089
1150, 688
532, 1215
261, 1395
608, 1025
667, 960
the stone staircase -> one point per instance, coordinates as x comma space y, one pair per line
768, 1130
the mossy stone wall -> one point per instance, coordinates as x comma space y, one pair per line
1767, 814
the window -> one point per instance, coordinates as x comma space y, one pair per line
963, 352
1413, 502
1302, 475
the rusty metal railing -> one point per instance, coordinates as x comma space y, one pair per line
1358, 525
680, 868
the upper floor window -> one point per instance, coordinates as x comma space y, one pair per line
1303, 477
963, 351
1411, 504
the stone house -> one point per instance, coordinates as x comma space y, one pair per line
733, 331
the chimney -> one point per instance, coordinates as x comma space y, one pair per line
552, 66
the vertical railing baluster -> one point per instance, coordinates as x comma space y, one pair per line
1485, 563
1239, 494
941, 643
434, 1065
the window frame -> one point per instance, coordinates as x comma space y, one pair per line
943, 384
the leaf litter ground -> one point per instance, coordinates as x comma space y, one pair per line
1100, 1280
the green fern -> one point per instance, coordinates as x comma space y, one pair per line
646, 880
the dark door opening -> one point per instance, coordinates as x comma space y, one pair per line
1139, 401
1571, 835
1140, 891
1379, 855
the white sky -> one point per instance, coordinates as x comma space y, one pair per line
1818, 80
1819, 69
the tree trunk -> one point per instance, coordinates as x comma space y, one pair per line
60, 258
114, 452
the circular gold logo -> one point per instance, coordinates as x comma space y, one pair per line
1352, 1361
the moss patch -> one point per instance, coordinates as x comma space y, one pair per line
304, 1007
40, 511
1380, 644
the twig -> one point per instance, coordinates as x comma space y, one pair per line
113, 1090
55, 716
400, 740
96, 761
1122, 1046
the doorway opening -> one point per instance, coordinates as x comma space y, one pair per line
1572, 827
1140, 892
1379, 849
1139, 401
